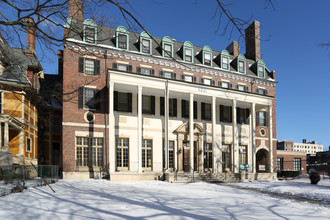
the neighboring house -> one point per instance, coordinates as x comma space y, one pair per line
291, 161
133, 111
20, 72
308, 148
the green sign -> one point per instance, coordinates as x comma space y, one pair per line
244, 166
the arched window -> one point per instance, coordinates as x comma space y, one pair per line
167, 45
145, 43
261, 68
207, 56
90, 31
224, 60
241, 63
122, 38
188, 52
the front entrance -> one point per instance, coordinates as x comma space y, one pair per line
186, 156
262, 161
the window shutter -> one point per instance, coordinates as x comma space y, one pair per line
81, 97
202, 81
175, 103
231, 114
81, 65
152, 72
194, 79
237, 87
238, 111
161, 73
230, 85
219, 83
152, 105
129, 104
98, 99
257, 91
246, 88
115, 101
183, 108
221, 113
114, 66
203, 111
173, 75
213, 83
162, 106
266, 92
182, 77
138, 69
96, 67
195, 110
266, 118
129, 68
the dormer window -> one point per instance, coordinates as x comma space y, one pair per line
188, 51
122, 38
207, 56
241, 64
145, 43
261, 68
207, 81
90, 31
224, 58
188, 78
167, 45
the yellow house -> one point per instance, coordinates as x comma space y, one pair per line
19, 83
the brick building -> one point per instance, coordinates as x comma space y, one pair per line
135, 106
307, 147
291, 161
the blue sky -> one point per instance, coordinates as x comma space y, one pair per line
291, 34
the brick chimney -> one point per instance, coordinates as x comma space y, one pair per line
252, 41
304, 141
233, 48
76, 10
60, 63
30, 36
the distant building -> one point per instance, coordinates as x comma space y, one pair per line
319, 161
307, 148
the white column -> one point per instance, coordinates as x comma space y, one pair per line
139, 143
21, 142
215, 170
112, 137
235, 158
166, 126
0, 135
191, 131
253, 136
270, 112
6, 136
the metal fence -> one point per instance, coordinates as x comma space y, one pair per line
29, 172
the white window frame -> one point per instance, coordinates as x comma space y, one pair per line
29, 144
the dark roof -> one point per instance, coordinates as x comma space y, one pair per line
17, 63
107, 36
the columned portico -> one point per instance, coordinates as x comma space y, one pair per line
253, 136
270, 121
139, 143
235, 138
191, 131
214, 159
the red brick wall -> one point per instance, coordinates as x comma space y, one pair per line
288, 161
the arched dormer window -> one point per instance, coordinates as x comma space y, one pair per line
90, 31
167, 45
122, 38
207, 56
188, 52
241, 63
261, 65
145, 43
224, 60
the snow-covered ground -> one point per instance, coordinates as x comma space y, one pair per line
299, 187
101, 199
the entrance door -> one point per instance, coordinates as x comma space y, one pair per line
186, 157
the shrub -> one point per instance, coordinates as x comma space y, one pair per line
314, 177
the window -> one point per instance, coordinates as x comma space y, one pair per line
243, 155
1, 102
28, 145
122, 153
188, 51
241, 67
145, 43
226, 157
225, 63
172, 108
167, 45
296, 164
122, 67
207, 81
167, 75
89, 151
226, 85
88, 98
90, 31
167, 50
89, 66
188, 78
170, 154
145, 71
185, 109
224, 60
262, 91
146, 46
206, 111
207, 59
261, 71
241, 63
208, 156
122, 38
207, 56
146, 154
148, 104
122, 101
242, 88
243, 115
261, 118
279, 164
225, 114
